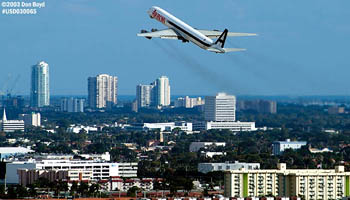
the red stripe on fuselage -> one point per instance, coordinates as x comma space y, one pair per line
158, 16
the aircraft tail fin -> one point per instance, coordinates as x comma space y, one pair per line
221, 40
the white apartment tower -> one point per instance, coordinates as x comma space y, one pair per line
162, 91
102, 91
72, 105
156, 94
220, 108
40, 91
144, 95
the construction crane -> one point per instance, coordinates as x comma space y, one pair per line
5, 84
8, 86
13, 85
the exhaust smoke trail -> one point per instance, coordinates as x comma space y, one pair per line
277, 69
219, 82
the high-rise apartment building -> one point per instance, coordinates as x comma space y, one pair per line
72, 105
156, 94
40, 91
102, 91
188, 102
162, 91
220, 108
261, 106
144, 95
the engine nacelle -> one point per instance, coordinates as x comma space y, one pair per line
182, 39
144, 31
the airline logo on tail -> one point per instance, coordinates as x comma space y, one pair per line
158, 17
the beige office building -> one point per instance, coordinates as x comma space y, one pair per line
306, 183
220, 108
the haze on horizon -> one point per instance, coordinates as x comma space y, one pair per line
302, 47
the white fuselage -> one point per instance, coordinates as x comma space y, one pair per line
183, 29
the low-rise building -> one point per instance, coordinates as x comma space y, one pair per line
6, 152
11, 125
278, 147
211, 167
168, 126
30, 176
77, 129
235, 126
306, 183
336, 110
101, 170
119, 184
196, 146
211, 154
103, 157
324, 150
32, 119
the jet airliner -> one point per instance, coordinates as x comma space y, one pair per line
182, 31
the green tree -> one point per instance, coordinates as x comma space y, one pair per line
83, 188
93, 189
132, 191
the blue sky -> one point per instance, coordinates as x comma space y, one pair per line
302, 47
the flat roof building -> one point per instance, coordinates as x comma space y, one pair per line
220, 108
32, 119
40, 87
278, 147
11, 125
309, 184
102, 91
101, 170
220, 113
196, 146
6, 152
211, 167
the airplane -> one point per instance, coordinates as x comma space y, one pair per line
182, 31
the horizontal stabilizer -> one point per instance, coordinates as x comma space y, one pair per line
216, 34
233, 49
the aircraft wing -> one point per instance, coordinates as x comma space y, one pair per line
216, 34
164, 34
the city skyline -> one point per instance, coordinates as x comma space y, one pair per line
195, 111
282, 60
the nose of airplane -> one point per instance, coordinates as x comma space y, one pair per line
150, 12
